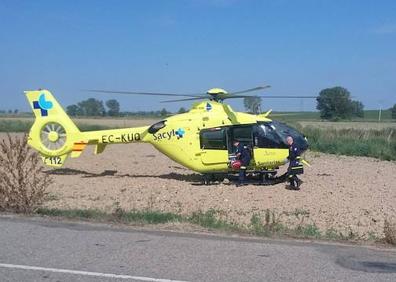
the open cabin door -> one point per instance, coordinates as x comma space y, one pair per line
217, 143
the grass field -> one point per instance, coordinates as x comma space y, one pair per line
358, 125
369, 116
377, 143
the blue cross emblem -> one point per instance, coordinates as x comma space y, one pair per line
43, 105
180, 133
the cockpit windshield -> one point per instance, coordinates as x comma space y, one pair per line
265, 136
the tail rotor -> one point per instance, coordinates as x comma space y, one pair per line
53, 136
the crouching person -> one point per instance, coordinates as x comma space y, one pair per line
242, 154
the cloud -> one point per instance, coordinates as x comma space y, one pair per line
385, 29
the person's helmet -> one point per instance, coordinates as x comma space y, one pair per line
236, 164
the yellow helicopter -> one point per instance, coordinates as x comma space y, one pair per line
200, 139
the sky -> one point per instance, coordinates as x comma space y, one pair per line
297, 47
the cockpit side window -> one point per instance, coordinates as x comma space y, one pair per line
284, 130
265, 136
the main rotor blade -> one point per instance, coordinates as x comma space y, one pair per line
187, 99
141, 93
272, 97
250, 90
225, 96
287, 97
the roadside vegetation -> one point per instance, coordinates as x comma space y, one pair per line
262, 225
266, 227
22, 183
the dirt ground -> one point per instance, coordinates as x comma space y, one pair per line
348, 194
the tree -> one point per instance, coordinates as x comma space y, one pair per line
92, 107
334, 103
393, 110
73, 110
252, 104
114, 107
357, 109
163, 112
181, 110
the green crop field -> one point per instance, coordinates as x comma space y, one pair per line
369, 116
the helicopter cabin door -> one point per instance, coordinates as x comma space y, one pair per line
242, 133
214, 150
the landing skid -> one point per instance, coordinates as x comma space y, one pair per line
261, 178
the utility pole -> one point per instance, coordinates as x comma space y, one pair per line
380, 110
379, 114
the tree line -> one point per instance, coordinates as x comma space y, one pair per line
333, 103
94, 107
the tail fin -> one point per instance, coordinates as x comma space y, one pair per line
53, 133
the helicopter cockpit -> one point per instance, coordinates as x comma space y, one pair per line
261, 135
273, 135
268, 135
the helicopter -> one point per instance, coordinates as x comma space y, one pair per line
200, 139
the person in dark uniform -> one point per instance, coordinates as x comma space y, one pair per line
295, 167
243, 154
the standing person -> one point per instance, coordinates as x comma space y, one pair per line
294, 164
242, 154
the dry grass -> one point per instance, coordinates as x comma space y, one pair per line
22, 182
348, 125
390, 231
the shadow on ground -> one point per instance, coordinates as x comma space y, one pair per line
193, 177
372, 266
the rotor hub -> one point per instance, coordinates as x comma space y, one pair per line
53, 136
216, 91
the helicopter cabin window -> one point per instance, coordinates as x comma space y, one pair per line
213, 139
265, 136
243, 134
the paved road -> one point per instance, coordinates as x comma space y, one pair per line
37, 249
